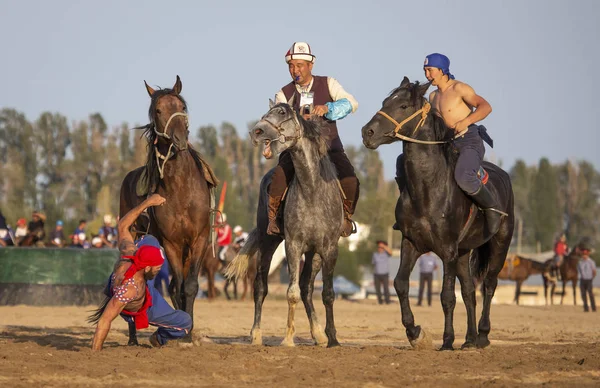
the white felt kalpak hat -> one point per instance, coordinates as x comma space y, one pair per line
300, 50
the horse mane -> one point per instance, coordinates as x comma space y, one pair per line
313, 131
151, 167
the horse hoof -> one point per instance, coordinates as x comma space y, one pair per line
333, 344
133, 342
422, 342
257, 338
319, 336
468, 346
288, 342
482, 342
446, 348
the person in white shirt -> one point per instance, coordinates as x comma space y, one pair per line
427, 264
316, 98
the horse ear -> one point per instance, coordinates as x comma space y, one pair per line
422, 89
271, 103
291, 101
149, 89
177, 87
405, 82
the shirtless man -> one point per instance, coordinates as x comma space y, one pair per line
131, 292
460, 108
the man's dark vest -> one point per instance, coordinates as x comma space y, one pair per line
321, 96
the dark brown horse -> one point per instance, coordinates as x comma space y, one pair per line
174, 170
212, 265
568, 273
518, 268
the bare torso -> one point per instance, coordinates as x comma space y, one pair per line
449, 105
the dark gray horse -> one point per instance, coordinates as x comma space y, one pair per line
312, 217
434, 214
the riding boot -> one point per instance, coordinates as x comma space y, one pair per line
486, 201
273, 228
401, 185
349, 227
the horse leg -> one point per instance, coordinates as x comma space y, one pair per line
408, 259
293, 253
211, 290
195, 255
552, 289
467, 288
329, 259
312, 265
518, 291
574, 283
132, 334
235, 289
226, 287
448, 303
261, 288
496, 251
564, 282
174, 255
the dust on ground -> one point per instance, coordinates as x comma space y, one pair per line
556, 345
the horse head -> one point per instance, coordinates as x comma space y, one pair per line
168, 117
398, 115
279, 129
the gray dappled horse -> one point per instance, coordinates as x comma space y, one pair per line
312, 221
434, 214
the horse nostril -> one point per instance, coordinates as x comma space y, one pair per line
370, 132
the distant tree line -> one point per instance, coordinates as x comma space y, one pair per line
74, 170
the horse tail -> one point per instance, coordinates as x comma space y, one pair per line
238, 268
95, 317
479, 267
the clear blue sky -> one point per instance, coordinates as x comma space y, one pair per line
535, 61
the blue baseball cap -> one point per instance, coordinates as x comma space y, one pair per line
59, 223
439, 61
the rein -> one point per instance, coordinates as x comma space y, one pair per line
424, 111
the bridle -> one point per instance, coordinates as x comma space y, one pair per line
424, 111
165, 135
279, 128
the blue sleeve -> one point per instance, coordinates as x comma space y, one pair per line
338, 109
101, 232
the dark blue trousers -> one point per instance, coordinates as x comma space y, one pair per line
171, 323
471, 153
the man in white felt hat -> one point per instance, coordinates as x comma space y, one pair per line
316, 98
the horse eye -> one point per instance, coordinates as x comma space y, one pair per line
158, 111
404, 106
184, 107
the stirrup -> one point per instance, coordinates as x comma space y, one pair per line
352, 231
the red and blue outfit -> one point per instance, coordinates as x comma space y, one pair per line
155, 311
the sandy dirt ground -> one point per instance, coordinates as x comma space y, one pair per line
531, 345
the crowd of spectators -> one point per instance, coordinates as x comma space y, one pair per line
33, 233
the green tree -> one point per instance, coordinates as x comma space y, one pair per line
544, 205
